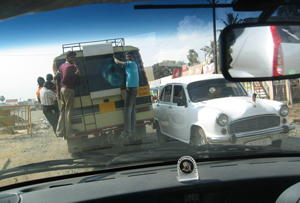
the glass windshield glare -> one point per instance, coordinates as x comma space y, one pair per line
213, 89
163, 44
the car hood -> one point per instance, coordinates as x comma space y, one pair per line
239, 107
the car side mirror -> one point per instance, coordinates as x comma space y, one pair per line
182, 103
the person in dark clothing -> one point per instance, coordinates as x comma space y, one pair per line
52, 85
49, 77
48, 98
66, 72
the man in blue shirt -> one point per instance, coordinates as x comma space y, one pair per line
132, 82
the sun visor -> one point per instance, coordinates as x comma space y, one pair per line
250, 5
97, 49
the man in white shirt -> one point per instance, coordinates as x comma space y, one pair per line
47, 100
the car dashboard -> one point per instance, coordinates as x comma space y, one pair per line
239, 180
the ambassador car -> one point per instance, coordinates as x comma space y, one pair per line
208, 109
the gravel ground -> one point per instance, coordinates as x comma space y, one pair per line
21, 149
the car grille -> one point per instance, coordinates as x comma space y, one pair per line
254, 123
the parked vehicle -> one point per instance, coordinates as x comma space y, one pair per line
208, 109
32, 108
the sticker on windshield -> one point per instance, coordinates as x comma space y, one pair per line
187, 169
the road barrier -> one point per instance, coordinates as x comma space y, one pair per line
15, 117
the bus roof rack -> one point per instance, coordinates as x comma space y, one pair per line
78, 46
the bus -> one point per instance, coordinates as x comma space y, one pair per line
99, 95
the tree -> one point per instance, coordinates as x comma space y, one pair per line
231, 20
193, 57
166, 68
209, 50
2, 98
289, 12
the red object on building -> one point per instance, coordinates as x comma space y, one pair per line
184, 69
176, 73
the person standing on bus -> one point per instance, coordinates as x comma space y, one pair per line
49, 78
132, 82
67, 72
48, 98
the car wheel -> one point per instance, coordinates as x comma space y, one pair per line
74, 145
140, 132
276, 143
160, 136
116, 135
198, 137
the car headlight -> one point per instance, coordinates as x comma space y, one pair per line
283, 110
222, 119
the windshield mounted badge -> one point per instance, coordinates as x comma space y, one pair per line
187, 169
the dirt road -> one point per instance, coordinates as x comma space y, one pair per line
22, 149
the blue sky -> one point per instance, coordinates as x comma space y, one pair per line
29, 43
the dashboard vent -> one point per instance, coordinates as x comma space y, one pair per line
99, 179
294, 161
271, 162
54, 186
224, 165
142, 174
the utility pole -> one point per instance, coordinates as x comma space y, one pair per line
215, 36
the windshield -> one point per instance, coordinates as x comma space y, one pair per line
83, 88
212, 89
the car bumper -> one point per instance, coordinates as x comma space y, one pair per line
276, 133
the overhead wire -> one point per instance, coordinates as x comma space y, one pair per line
178, 32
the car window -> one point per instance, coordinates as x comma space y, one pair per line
178, 94
166, 95
213, 89
162, 95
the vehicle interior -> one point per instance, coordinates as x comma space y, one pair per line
149, 172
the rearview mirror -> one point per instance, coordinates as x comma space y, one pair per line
256, 52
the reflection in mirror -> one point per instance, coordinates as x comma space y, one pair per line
264, 51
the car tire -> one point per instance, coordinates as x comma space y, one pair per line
160, 136
140, 132
117, 134
276, 143
74, 145
198, 137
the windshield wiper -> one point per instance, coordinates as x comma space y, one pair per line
198, 153
52, 165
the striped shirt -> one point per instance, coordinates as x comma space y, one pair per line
47, 96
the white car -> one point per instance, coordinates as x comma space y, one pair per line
266, 51
208, 109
